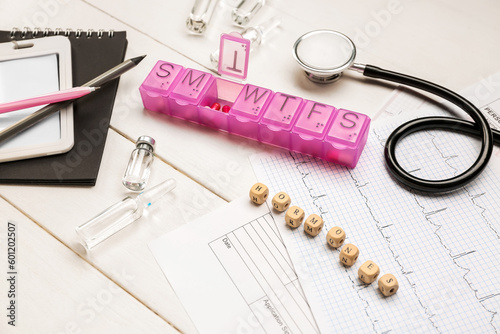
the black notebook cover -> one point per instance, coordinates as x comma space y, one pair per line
92, 54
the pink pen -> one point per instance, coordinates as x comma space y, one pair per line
62, 95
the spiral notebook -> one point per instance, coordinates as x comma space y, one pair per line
92, 52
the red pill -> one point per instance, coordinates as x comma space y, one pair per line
215, 106
226, 109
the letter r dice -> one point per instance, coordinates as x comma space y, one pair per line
294, 216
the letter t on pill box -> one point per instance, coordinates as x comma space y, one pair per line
233, 56
254, 112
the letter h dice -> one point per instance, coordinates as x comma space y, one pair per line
259, 193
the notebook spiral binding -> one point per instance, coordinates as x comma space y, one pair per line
28, 33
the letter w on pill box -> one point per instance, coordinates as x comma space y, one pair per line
279, 119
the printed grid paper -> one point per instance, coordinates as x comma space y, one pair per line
444, 249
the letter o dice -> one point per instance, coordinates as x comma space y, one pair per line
294, 216
281, 201
335, 237
349, 254
313, 225
388, 285
368, 272
259, 193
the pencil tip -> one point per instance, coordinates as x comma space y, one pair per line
137, 60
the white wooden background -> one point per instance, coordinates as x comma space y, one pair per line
119, 288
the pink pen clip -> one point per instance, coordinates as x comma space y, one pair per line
63, 95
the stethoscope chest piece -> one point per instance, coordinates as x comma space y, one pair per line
324, 55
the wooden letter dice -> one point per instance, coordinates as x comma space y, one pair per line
281, 201
349, 254
294, 216
313, 225
388, 285
259, 193
368, 272
335, 237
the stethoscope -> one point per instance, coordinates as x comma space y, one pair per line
325, 54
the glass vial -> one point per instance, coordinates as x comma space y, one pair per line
120, 215
139, 166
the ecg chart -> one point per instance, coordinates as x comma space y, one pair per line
443, 249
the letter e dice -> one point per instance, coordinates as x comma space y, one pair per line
368, 272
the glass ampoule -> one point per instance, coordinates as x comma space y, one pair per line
246, 10
120, 215
139, 166
254, 34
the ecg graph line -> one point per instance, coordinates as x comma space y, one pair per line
395, 256
356, 287
298, 164
427, 216
446, 159
483, 210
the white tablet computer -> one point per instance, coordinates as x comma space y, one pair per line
30, 68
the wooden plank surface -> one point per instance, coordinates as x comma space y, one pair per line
58, 292
60, 211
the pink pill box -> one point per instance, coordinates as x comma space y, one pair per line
279, 119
